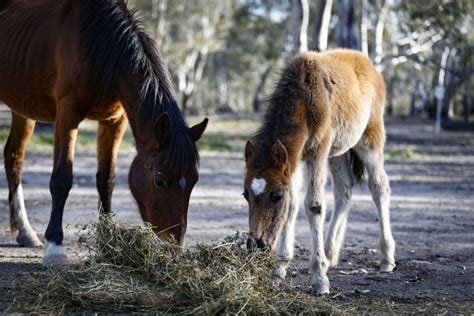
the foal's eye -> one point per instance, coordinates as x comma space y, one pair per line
159, 182
276, 197
246, 194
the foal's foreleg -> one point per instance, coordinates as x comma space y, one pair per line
61, 180
342, 187
315, 206
109, 135
286, 243
21, 131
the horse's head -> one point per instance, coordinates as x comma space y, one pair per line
267, 190
163, 175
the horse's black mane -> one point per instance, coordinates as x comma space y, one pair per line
115, 43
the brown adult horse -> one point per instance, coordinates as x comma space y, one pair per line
327, 106
65, 61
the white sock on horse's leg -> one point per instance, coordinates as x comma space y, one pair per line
27, 237
55, 255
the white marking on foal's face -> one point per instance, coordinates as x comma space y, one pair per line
258, 186
182, 182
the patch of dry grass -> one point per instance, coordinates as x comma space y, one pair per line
131, 270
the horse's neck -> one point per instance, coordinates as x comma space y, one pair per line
130, 97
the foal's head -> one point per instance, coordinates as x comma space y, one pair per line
267, 190
163, 175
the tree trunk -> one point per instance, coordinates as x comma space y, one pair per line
379, 29
325, 22
257, 100
364, 22
347, 36
159, 15
300, 36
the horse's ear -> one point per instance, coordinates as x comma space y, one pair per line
198, 129
162, 129
249, 149
279, 154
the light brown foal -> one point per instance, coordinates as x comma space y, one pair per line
327, 107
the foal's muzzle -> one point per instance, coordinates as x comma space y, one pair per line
256, 243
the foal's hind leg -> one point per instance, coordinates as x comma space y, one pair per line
21, 131
60, 184
342, 187
109, 135
373, 160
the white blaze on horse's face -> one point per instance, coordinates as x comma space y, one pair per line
258, 186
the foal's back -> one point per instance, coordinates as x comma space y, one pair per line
357, 96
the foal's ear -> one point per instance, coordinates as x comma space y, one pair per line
198, 129
162, 129
279, 154
249, 149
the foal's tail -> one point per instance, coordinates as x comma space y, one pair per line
357, 167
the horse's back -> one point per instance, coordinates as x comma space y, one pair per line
357, 96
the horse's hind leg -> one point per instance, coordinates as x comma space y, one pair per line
342, 187
373, 159
109, 135
21, 131
60, 184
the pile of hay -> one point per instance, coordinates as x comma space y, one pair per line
131, 270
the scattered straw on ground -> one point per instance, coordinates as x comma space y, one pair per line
131, 270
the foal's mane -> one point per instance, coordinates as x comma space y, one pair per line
278, 120
115, 44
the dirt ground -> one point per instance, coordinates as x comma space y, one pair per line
432, 180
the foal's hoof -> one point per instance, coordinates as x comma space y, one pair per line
320, 286
55, 256
28, 239
387, 267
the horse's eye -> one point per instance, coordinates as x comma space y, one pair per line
276, 197
159, 182
246, 194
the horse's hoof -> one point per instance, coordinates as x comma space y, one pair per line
28, 239
387, 267
55, 256
320, 286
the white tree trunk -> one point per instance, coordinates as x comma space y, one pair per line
324, 31
300, 36
379, 33
364, 21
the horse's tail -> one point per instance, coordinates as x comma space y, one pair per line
357, 167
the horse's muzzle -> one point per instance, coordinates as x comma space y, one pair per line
256, 243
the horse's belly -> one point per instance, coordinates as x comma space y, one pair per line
39, 108
346, 137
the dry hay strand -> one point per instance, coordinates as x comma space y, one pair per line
131, 270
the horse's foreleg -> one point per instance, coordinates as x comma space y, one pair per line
61, 180
109, 135
380, 189
21, 131
342, 187
315, 206
285, 249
